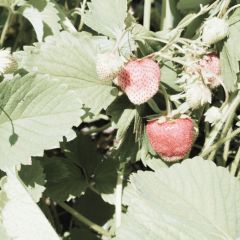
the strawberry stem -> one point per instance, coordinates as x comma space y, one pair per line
118, 199
168, 14
5, 28
234, 165
84, 220
220, 142
153, 105
147, 13
227, 113
82, 15
167, 100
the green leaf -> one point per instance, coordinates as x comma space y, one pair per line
125, 122
40, 13
100, 172
105, 176
20, 216
63, 179
82, 151
192, 200
31, 174
71, 58
230, 55
34, 179
154, 163
107, 16
169, 76
94, 208
39, 112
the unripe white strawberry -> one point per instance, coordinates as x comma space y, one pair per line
140, 80
198, 94
214, 30
108, 65
8, 63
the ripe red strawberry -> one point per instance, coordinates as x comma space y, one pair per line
210, 69
172, 139
140, 80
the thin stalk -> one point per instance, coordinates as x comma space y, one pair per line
231, 9
167, 101
162, 55
224, 8
212, 155
167, 15
235, 163
5, 28
57, 223
153, 105
147, 14
118, 199
226, 147
10, 120
220, 142
85, 220
82, 15
228, 113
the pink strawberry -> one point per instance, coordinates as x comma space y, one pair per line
210, 68
140, 80
172, 139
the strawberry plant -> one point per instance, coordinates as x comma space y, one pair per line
119, 119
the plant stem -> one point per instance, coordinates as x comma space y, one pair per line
152, 104
227, 113
224, 8
235, 163
147, 14
167, 101
5, 28
118, 199
82, 15
227, 147
84, 220
167, 15
220, 142
162, 55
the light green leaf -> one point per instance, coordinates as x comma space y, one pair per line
40, 13
35, 113
71, 58
190, 201
230, 55
125, 122
154, 163
107, 16
21, 217
169, 76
